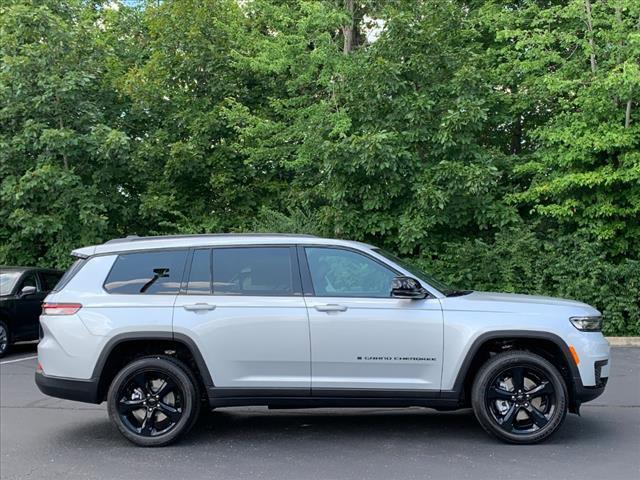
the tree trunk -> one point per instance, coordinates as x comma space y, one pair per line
627, 111
348, 31
516, 136
587, 6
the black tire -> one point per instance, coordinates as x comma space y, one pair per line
5, 339
524, 415
162, 389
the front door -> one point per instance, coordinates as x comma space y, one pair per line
243, 307
361, 339
28, 309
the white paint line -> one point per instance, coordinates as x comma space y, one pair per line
18, 360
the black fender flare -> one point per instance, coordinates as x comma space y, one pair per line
153, 335
458, 386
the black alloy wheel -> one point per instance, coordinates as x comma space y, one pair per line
150, 403
519, 397
521, 400
154, 400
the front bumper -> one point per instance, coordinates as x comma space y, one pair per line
69, 389
583, 394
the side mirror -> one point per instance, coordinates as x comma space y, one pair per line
28, 290
407, 287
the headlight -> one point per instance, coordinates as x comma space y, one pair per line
587, 324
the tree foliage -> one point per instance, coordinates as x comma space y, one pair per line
497, 143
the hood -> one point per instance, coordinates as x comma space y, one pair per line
517, 303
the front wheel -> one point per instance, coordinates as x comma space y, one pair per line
519, 397
153, 401
5, 339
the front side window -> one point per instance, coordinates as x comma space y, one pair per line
29, 281
147, 273
253, 271
344, 273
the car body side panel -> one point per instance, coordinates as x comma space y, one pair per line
468, 317
250, 341
72, 343
376, 343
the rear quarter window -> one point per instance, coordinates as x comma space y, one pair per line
147, 273
69, 274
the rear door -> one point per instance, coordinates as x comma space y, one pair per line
244, 309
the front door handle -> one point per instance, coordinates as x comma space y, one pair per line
331, 307
199, 307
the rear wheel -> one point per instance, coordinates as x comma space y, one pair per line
153, 401
5, 339
519, 397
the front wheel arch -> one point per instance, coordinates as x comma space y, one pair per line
546, 344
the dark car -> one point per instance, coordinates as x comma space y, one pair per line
22, 290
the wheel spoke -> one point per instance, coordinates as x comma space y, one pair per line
544, 388
537, 416
509, 417
173, 413
496, 393
517, 377
126, 406
147, 424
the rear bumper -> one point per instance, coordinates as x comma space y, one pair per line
69, 389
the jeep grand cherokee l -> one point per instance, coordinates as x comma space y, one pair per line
160, 327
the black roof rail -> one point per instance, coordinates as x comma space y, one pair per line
136, 238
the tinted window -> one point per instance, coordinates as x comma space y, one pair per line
28, 281
200, 276
343, 273
252, 271
7, 282
147, 273
49, 280
69, 274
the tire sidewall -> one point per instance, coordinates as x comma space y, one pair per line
512, 359
185, 382
6, 329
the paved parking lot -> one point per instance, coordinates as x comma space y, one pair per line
42, 437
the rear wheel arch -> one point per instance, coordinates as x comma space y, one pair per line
126, 347
545, 344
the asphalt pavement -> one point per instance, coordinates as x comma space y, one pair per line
46, 438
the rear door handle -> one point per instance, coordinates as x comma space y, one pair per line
199, 307
331, 307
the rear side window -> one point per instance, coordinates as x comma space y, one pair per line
200, 275
69, 274
147, 273
253, 271
49, 280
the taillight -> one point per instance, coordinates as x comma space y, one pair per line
60, 308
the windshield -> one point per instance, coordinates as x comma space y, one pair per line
8, 281
414, 270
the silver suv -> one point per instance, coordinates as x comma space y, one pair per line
160, 327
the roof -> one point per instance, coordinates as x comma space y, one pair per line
202, 240
8, 268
